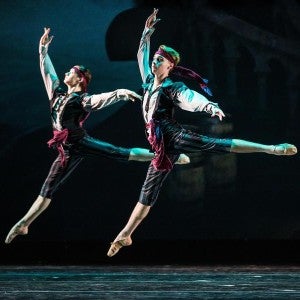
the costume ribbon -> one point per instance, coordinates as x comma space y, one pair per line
161, 161
59, 137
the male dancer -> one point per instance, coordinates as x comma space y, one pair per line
68, 112
165, 134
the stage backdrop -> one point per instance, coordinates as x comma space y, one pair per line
249, 51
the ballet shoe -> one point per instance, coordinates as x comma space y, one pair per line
18, 229
117, 245
285, 149
183, 159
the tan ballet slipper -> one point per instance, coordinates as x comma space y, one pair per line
117, 245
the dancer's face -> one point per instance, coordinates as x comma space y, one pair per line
71, 78
160, 65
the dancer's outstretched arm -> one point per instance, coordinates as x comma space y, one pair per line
98, 101
144, 48
49, 75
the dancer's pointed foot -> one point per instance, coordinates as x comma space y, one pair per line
284, 149
17, 229
117, 245
183, 159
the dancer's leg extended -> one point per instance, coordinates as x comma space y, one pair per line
92, 146
21, 227
243, 146
193, 142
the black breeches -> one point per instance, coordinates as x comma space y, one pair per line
153, 183
89, 146
188, 142
74, 154
183, 141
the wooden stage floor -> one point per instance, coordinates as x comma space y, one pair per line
150, 282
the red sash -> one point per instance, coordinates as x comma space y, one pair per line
161, 161
59, 137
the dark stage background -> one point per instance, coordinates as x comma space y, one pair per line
233, 206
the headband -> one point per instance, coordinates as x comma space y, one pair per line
166, 55
185, 72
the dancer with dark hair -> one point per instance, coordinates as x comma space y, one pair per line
165, 135
69, 109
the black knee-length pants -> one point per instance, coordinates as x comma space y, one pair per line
74, 154
179, 141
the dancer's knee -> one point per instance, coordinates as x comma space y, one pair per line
43, 201
147, 201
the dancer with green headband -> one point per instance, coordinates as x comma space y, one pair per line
166, 136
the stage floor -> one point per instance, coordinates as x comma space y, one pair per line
150, 282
